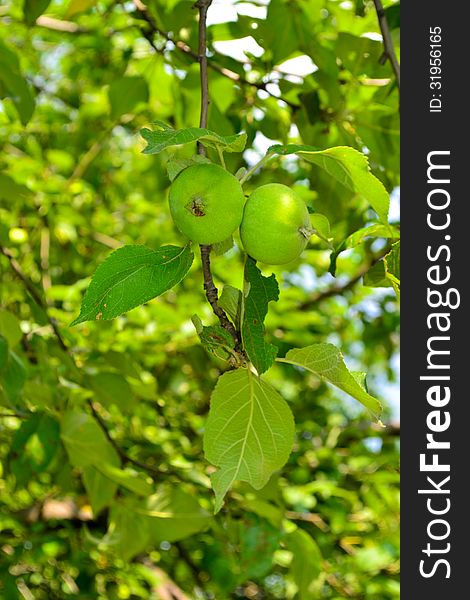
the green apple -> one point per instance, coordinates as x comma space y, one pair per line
276, 225
206, 203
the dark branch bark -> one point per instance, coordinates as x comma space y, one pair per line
212, 294
389, 50
122, 454
203, 6
211, 64
34, 294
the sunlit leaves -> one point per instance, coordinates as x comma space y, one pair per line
249, 432
349, 167
326, 361
131, 276
166, 137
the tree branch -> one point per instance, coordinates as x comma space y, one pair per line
389, 50
212, 293
34, 294
183, 47
122, 454
337, 290
203, 6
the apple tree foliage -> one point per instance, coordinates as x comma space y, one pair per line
145, 452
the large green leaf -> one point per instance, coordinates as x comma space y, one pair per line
166, 137
169, 515
100, 489
173, 514
326, 361
10, 328
126, 93
131, 276
349, 167
306, 564
3, 351
15, 84
259, 292
128, 531
249, 432
259, 539
129, 479
85, 441
112, 389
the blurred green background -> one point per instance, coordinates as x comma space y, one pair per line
78, 79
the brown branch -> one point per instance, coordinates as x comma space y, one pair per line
34, 294
122, 454
337, 290
212, 295
203, 6
183, 47
389, 50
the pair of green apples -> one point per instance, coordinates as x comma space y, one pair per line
207, 204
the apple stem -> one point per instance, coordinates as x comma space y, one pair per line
307, 232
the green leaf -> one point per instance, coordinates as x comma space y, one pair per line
349, 167
78, 6
377, 230
175, 165
258, 542
15, 84
321, 227
128, 531
222, 247
33, 8
34, 446
85, 442
112, 389
260, 291
392, 267
249, 432
3, 351
376, 276
10, 328
231, 300
173, 514
131, 276
326, 361
126, 93
306, 565
131, 480
13, 376
214, 338
12, 191
100, 489
167, 137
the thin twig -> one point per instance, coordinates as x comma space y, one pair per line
338, 290
203, 6
183, 47
389, 50
212, 293
34, 294
122, 454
